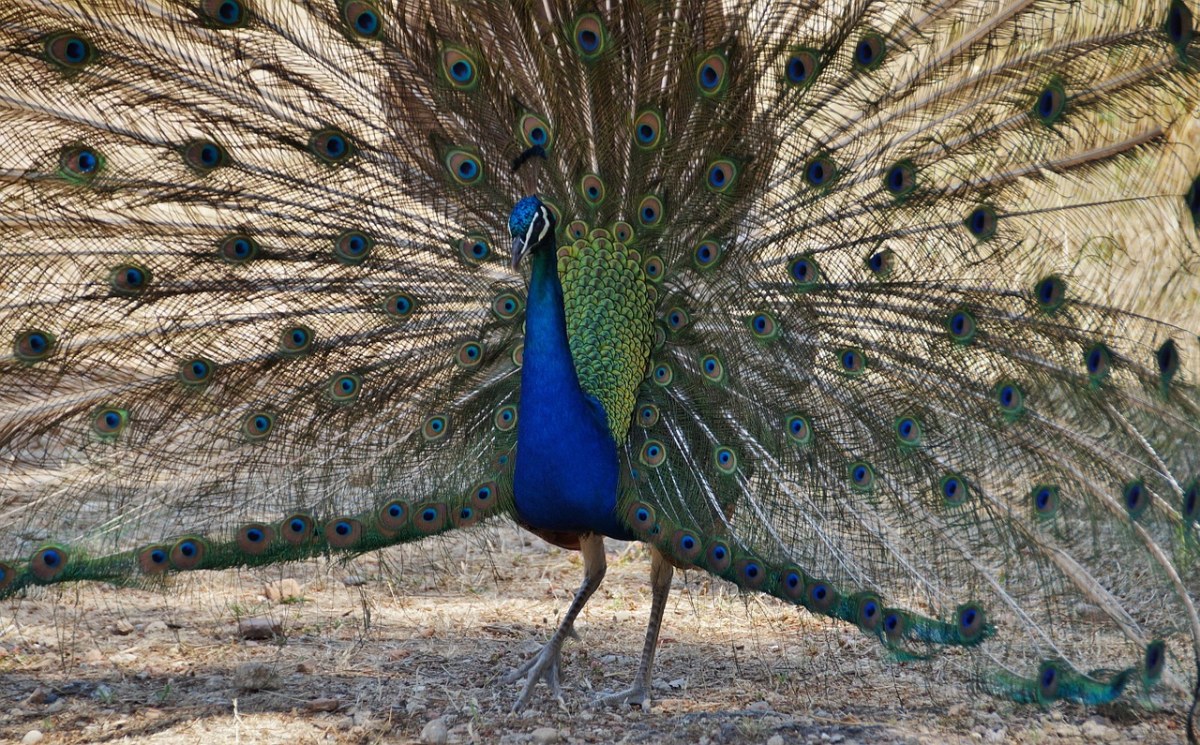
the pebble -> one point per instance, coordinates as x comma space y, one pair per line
435, 732
122, 628
545, 736
259, 629
157, 627
775, 740
255, 676
32, 737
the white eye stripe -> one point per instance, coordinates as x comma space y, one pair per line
545, 222
529, 234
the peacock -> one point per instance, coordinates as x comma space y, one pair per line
886, 309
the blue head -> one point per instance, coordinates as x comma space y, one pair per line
531, 226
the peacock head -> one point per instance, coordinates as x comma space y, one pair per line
531, 225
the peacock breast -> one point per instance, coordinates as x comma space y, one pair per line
607, 301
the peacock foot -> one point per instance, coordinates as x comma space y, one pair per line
635, 696
544, 665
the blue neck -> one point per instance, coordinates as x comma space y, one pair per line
566, 476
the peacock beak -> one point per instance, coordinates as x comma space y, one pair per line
518, 251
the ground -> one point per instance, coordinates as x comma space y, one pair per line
408, 646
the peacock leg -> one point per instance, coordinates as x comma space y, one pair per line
661, 572
545, 664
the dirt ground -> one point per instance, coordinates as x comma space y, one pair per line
409, 645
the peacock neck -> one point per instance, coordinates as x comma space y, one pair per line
566, 475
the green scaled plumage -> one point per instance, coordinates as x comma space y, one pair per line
890, 307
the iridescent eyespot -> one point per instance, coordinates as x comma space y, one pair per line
507, 305
981, 222
464, 167
1050, 294
707, 254
204, 156
1010, 398
721, 175
805, 272
342, 532
518, 355
819, 596
862, 476
344, 388
650, 211
1154, 661
592, 189
506, 418
196, 372
1048, 680
483, 496
108, 421
430, 518
297, 529
1044, 498
711, 74
648, 129
69, 51
725, 459
79, 164
801, 67
296, 340
238, 249
677, 319
154, 559
1167, 359
400, 305
459, 68
255, 538
881, 263
1050, 103
224, 13
577, 229
362, 19
712, 368
868, 611
393, 517
647, 415
257, 425
962, 327
654, 268
1136, 498
33, 345
129, 280
1191, 504
469, 354
909, 431
588, 36
662, 374
653, 453
331, 145
188, 553
869, 51
435, 427
474, 248
953, 489
622, 232
900, 180
763, 326
535, 131
799, 430
48, 563
820, 171
352, 247
1098, 361
972, 623
851, 361
1179, 26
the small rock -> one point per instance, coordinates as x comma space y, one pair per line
122, 628
32, 737
996, 735
304, 668
259, 629
41, 695
281, 590
545, 736
157, 627
435, 732
123, 658
354, 580
759, 706
255, 676
775, 740
323, 704
1096, 731
55, 706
